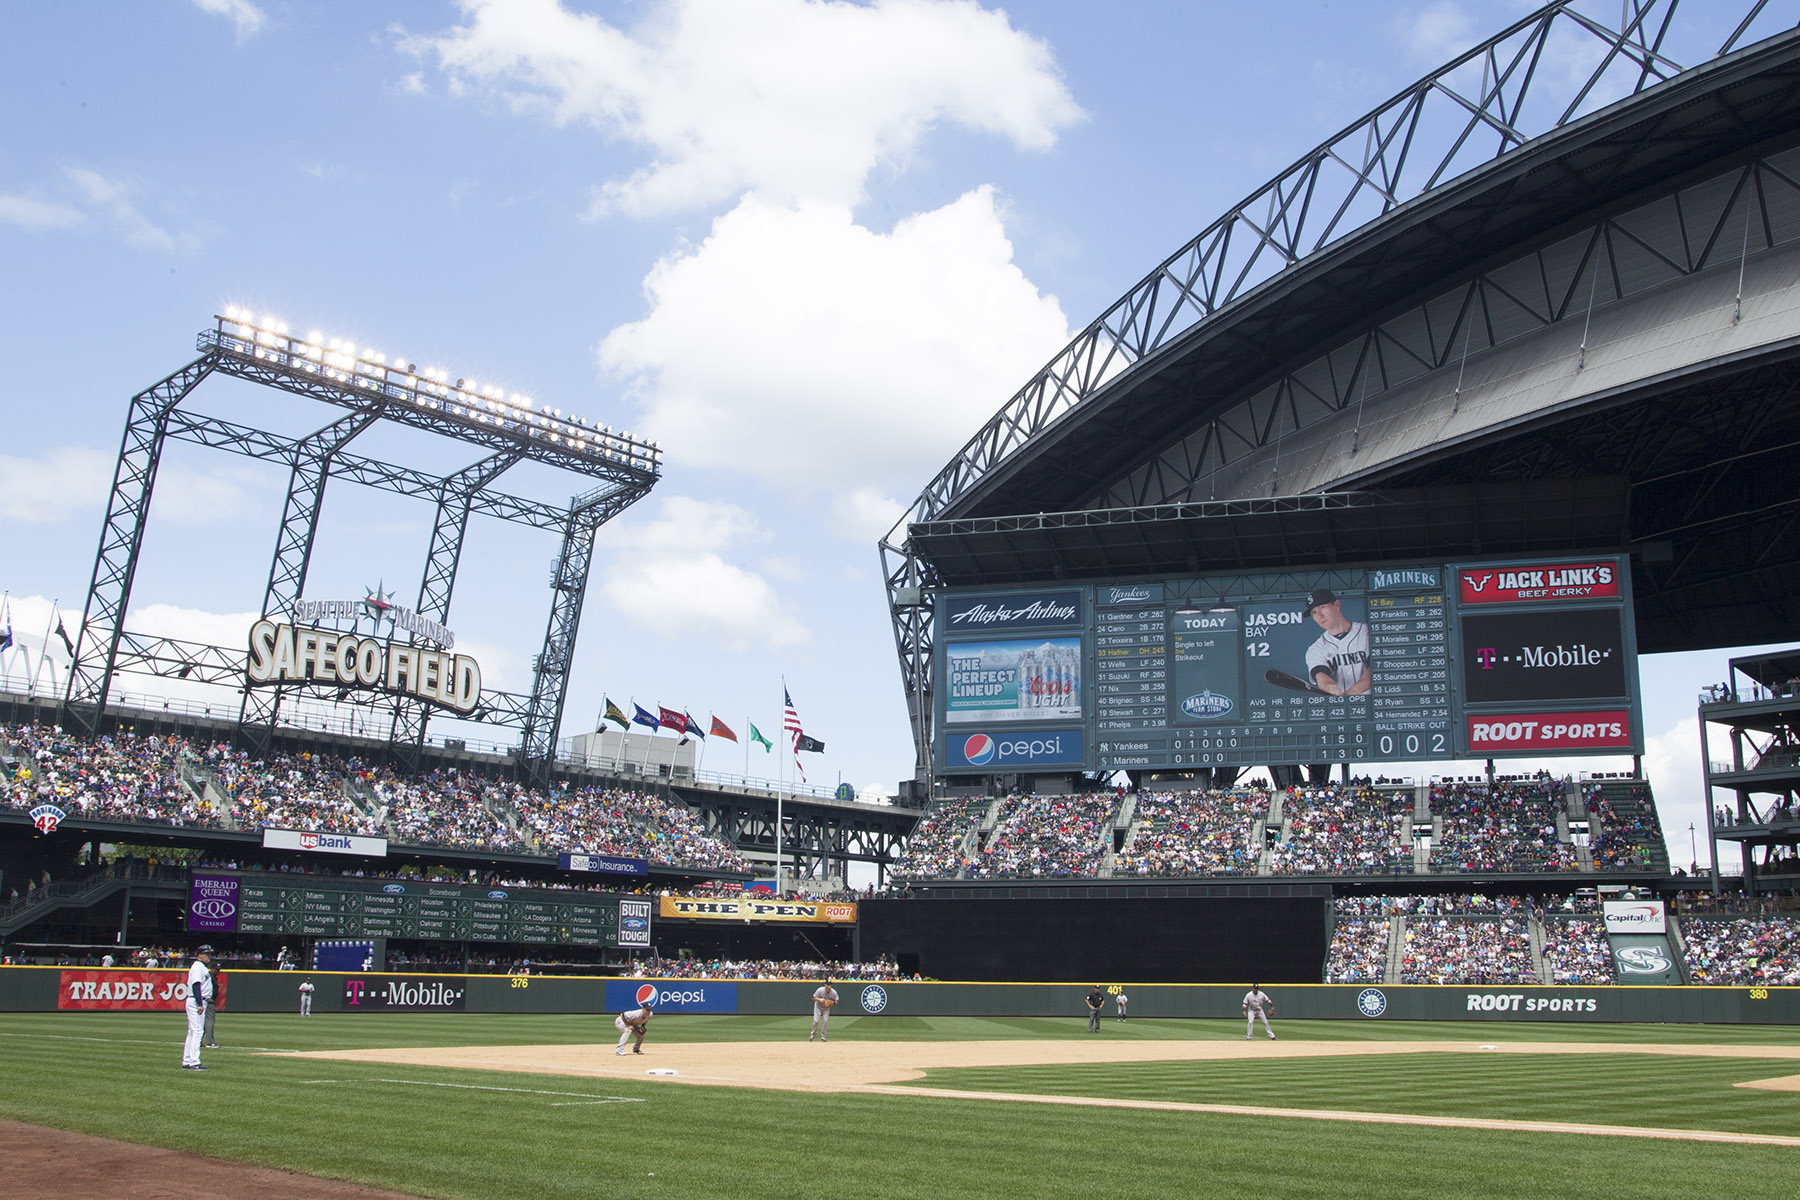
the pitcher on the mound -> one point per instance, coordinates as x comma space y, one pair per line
824, 1000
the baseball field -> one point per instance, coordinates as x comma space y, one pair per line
742, 1106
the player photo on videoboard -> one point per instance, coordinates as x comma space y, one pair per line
1314, 646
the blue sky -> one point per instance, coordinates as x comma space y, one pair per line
809, 247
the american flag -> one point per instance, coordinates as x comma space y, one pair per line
790, 722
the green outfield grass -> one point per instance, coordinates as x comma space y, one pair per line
116, 1075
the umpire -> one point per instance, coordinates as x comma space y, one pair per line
1096, 1000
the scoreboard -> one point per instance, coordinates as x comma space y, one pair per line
1379, 664
332, 907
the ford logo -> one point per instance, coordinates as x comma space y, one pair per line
635, 923
1206, 705
496, 895
393, 889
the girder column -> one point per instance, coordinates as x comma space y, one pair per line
293, 552
121, 537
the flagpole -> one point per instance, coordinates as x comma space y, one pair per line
746, 751
780, 789
43, 650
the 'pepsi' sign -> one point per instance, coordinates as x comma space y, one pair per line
1011, 751
672, 995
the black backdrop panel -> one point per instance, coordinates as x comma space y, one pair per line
1180, 940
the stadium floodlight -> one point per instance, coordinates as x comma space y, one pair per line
482, 407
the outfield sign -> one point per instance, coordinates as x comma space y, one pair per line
398, 994
756, 908
672, 995
123, 991
1634, 916
284, 654
212, 904
604, 864
324, 843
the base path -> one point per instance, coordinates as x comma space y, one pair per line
880, 1066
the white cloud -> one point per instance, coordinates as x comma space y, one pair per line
36, 216
676, 577
111, 200
865, 514
191, 496
801, 347
67, 481
246, 16
798, 99
1438, 32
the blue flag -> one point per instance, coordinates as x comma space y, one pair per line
640, 717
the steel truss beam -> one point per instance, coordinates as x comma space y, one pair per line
121, 538
816, 841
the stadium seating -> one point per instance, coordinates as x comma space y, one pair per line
1743, 950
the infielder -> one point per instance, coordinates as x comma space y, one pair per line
824, 1000
1096, 1000
632, 1024
306, 991
1257, 1004
1122, 1000
212, 1009
200, 990
1338, 662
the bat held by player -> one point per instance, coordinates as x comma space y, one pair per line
1283, 679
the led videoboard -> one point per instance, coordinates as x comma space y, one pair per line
1387, 664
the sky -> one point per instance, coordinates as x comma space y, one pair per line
809, 247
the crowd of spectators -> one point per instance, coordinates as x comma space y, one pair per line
1481, 950
1351, 830
1743, 950
1621, 841
937, 847
1359, 950
1048, 836
594, 820
1195, 833
1510, 826
118, 777
1576, 950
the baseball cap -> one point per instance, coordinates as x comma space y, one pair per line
204, 950
1315, 598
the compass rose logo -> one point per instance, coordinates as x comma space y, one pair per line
377, 605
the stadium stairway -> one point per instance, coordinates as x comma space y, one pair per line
1534, 931
1632, 803
1396, 949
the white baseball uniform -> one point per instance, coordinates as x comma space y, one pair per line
1121, 1000
632, 1024
306, 994
823, 999
1257, 1004
200, 990
1345, 655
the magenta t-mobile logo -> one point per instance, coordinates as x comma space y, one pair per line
353, 990
1486, 656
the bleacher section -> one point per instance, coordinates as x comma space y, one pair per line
1194, 833
1627, 835
1047, 837
1743, 950
1343, 831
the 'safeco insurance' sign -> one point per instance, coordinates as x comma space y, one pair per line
296, 654
324, 843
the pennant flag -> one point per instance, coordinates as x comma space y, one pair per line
757, 737
721, 729
671, 720
811, 745
693, 726
64, 635
640, 717
613, 714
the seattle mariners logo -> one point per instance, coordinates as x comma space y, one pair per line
874, 998
1370, 1002
979, 750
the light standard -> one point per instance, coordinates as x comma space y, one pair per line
1693, 851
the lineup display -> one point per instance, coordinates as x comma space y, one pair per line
1388, 664
330, 907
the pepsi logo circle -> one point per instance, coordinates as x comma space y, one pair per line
646, 994
979, 749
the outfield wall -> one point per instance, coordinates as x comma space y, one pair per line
49, 989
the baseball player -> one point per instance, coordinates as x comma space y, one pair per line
1338, 662
200, 990
824, 1000
306, 993
1122, 1000
1096, 1000
212, 1008
630, 1024
1257, 1004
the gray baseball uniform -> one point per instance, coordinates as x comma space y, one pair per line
823, 1000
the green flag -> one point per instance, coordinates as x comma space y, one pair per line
613, 714
756, 736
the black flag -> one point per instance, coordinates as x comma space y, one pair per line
811, 744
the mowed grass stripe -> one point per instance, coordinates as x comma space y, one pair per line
1663, 1091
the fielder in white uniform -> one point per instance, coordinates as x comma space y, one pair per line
1338, 662
1257, 1004
1121, 1000
632, 1024
200, 991
824, 1000
306, 991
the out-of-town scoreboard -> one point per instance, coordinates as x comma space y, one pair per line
1379, 664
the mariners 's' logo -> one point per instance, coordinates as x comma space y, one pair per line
1370, 1002
874, 998
46, 817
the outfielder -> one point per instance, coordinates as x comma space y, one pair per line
200, 990
1121, 1000
631, 1024
824, 1000
1338, 662
306, 991
1257, 1004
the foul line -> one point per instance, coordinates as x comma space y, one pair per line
1375, 1118
586, 1097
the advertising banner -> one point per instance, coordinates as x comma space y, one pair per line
756, 908
1513, 733
1634, 916
324, 843
672, 995
1013, 611
634, 922
213, 904
389, 993
1037, 680
1500, 584
1012, 752
1540, 656
606, 864
118, 991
